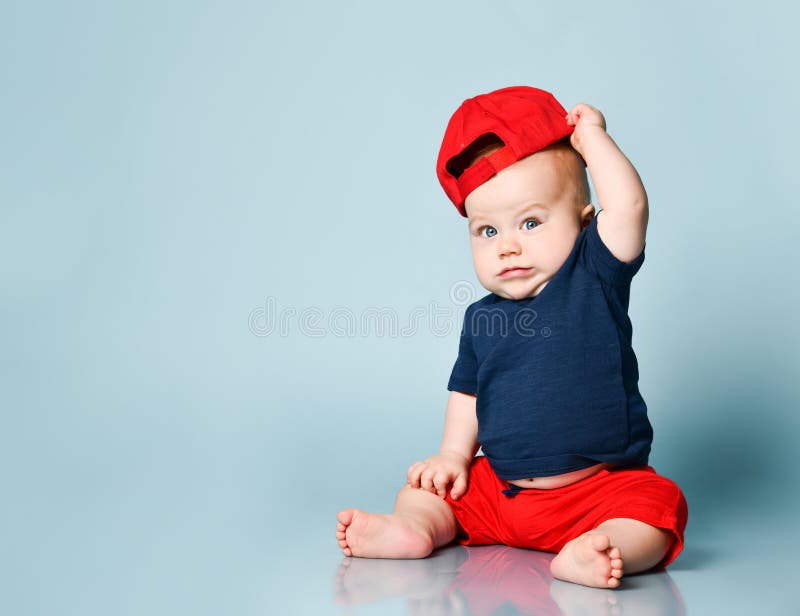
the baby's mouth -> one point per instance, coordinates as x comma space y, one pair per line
515, 272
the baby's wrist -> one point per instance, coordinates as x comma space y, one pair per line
584, 137
449, 452
591, 130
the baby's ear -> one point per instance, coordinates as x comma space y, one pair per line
587, 213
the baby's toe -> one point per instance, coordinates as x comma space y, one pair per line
600, 542
345, 517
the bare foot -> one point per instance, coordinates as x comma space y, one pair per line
377, 535
590, 560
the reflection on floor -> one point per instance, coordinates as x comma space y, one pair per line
483, 580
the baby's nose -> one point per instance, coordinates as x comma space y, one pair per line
509, 246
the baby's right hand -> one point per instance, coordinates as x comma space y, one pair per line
440, 471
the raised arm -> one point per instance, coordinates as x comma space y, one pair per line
459, 445
620, 192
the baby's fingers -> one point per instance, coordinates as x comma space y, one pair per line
414, 472
459, 486
585, 114
574, 114
440, 482
426, 480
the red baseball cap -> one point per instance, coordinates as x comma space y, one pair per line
526, 119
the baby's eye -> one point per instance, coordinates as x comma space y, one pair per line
489, 231
535, 223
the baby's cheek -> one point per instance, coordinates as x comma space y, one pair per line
484, 275
481, 257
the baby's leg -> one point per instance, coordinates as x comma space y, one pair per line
420, 523
599, 556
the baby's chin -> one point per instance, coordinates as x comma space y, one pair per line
524, 290
513, 296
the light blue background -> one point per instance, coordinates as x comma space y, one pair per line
167, 168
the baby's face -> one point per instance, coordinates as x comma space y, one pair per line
527, 216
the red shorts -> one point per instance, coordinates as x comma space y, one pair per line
547, 519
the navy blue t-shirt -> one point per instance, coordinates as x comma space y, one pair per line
555, 375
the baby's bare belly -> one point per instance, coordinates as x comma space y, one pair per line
557, 481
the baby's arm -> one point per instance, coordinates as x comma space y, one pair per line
619, 188
459, 445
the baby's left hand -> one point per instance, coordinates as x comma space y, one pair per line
585, 118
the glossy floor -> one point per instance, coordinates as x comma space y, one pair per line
201, 538
739, 567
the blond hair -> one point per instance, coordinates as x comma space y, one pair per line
490, 143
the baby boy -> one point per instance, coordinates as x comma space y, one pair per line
546, 380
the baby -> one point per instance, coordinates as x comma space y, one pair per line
546, 380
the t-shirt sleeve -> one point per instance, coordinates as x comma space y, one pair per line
464, 376
599, 259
